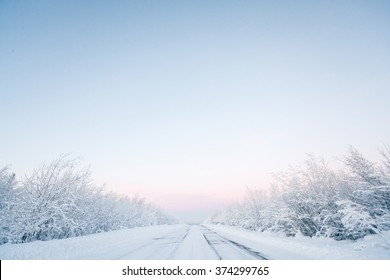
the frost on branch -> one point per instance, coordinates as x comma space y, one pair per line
59, 200
318, 201
7, 197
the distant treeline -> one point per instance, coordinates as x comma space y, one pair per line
59, 200
317, 200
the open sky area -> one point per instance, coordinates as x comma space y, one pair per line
188, 102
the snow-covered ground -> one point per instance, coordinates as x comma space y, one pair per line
301, 247
196, 242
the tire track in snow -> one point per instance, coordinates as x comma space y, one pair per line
158, 239
222, 239
178, 242
212, 246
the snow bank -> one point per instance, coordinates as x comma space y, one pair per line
99, 246
273, 246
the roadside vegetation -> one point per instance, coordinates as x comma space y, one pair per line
317, 200
60, 200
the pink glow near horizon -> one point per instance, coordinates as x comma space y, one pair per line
190, 200
198, 193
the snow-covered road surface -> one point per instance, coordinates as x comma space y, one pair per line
192, 242
155, 243
196, 242
226, 249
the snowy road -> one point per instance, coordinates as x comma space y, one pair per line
226, 249
165, 242
192, 242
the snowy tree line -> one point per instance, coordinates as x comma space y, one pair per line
59, 200
316, 200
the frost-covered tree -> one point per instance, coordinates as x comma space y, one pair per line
385, 164
318, 201
59, 200
7, 185
50, 200
7, 197
371, 189
309, 194
361, 169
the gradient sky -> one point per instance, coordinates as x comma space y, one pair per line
188, 102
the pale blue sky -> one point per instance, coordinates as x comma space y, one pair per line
188, 102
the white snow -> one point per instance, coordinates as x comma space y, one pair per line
188, 242
107, 245
302, 247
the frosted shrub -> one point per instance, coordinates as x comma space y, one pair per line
318, 201
59, 200
7, 196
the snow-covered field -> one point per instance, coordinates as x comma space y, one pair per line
196, 242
